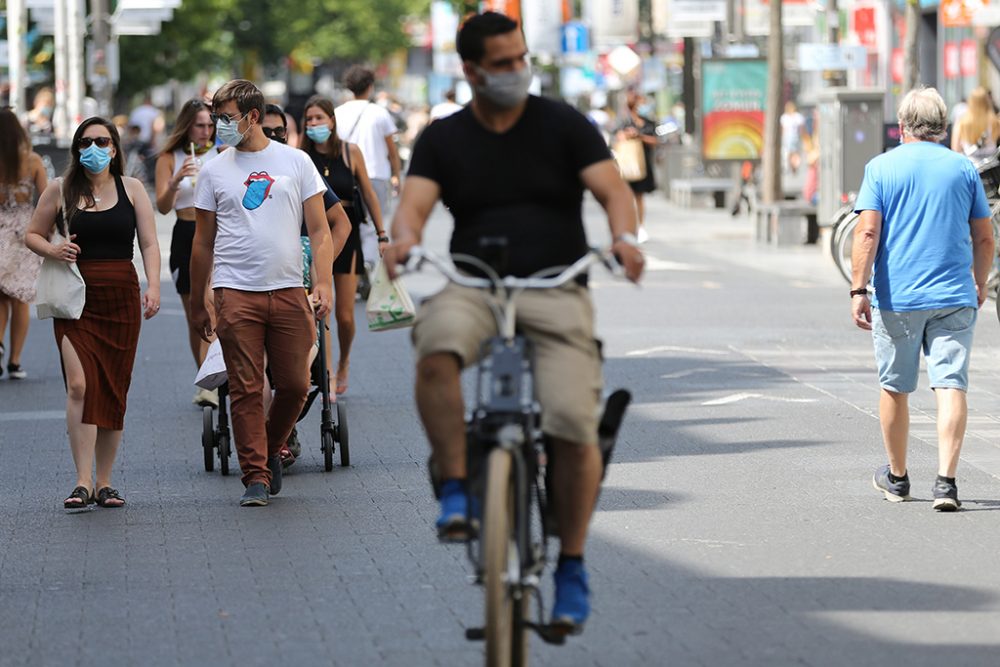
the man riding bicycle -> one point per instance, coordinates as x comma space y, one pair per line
513, 167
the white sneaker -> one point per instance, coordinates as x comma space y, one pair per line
206, 397
642, 235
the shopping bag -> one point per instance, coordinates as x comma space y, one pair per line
212, 373
631, 158
389, 306
60, 291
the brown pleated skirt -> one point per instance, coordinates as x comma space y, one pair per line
105, 338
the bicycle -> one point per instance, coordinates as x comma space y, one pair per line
507, 463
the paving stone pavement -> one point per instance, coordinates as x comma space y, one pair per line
738, 525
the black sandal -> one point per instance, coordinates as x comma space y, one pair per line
107, 495
80, 493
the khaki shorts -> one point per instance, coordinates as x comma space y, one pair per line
560, 325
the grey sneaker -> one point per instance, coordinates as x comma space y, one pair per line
16, 372
945, 495
255, 495
895, 492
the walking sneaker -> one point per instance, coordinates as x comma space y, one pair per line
895, 491
572, 605
274, 465
946, 495
15, 372
255, 495
453, 523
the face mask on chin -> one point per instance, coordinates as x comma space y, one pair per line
505, 89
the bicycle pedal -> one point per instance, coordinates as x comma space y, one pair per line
551, 634
475, 634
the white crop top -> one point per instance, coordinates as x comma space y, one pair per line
185, 192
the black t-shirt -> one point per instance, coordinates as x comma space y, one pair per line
523, 185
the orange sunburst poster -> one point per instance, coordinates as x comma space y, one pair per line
734, 92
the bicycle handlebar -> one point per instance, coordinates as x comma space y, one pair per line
418, 255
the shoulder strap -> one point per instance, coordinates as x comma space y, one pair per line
61, 210
358, 120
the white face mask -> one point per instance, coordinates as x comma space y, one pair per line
229, 133
505, 89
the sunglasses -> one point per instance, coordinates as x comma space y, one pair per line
102, 142
274, 132
224, 117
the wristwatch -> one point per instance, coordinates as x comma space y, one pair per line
863, 291
383, 238
628, 238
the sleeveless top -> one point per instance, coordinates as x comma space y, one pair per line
18, 265
341, 180
185, 192
108, 234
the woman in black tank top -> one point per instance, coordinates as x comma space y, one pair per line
343, 167
102, 211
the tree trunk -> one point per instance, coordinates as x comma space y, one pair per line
911, 52
772, 191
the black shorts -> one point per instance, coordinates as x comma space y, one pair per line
180, 254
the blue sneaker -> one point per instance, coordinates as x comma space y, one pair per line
895, 492
453, 523
572, 605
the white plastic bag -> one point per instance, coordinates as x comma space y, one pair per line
212, 373
389, 306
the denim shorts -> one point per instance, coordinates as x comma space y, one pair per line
944, 335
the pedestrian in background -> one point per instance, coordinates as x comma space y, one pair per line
344, 167
100, 212
637, 124
792, 125
250, 202
22, 177
370, 126
190, 146
977, 130
925, 228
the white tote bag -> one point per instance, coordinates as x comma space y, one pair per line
389, 305
212, 373
60, 292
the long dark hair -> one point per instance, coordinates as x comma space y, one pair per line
307, 144
14, 147
76, 185
185, 119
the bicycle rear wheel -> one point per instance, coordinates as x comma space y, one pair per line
845, 244
506, 639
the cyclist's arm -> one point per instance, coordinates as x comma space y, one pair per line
415, 205
614, 194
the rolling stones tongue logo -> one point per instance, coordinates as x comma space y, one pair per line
258, 186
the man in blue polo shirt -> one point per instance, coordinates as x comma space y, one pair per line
925, 225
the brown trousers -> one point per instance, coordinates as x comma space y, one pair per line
248, 324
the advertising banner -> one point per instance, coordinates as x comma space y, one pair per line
542, 21
799, 13
733, 95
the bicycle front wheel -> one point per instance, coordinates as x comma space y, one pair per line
505, 634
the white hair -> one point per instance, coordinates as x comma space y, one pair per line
923, 115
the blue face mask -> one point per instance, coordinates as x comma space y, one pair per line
318, 133
228, 132
646, 110
95, 159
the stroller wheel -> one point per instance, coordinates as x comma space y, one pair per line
342, 436
327, 446
208, 438
224, 454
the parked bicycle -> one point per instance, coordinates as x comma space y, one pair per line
507, 462
846, 220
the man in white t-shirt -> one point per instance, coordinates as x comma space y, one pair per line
446, 108
372, 128
249, 205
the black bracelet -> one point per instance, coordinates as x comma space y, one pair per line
859, 292
382, 238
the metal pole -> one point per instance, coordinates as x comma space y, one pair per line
60, 116
101, 83
17, 23
772, 190
76, 28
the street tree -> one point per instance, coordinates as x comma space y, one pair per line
911, 54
